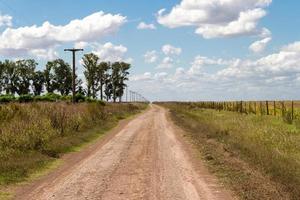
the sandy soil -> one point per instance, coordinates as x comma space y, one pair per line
145, 159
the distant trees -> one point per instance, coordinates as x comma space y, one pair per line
103, 80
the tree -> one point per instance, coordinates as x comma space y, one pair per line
2, 68
79, 87
102, 75
62, 76
24, 72
38, 82
108, 88
90, 63
9, 77
119, 76
49, 77
124, 67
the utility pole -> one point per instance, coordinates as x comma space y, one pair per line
74, 72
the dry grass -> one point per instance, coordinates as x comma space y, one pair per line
32, 135
258, 156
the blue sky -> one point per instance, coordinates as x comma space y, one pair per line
216, 64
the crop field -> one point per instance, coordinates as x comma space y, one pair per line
258, 156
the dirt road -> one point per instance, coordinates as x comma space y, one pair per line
144, 160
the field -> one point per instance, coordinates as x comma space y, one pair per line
34, 134
257, 156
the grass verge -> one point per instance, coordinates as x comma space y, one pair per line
258, 157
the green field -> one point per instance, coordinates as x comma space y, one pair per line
258, 156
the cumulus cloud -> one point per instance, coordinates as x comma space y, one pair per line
5, 20
30, 39
171, 50
166, 63
217, 18
275, 76
260, 45
143, 26
111, 53
151, 57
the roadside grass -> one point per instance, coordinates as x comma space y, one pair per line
257, 156
33, 136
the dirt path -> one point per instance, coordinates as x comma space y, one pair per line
144, 160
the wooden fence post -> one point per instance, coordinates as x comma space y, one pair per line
261, 108
255, 108
282, 108
292, 110
241, 109
250, 109
267, 104
274, 108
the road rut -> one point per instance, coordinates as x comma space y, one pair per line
144, 160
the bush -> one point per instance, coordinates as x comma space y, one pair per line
80, 98
6, 98
49, 97
288, 117
25, 98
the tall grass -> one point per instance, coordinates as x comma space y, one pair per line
266, 143
35, 133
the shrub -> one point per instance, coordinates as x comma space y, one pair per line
49, 97
6, 98
288, 117
80, 98
25, 98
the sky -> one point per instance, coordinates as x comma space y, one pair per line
183, 50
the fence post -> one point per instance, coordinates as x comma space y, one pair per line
274, 108
255, 107
241, 108
292, 110
267, 104
282, 108
261, 109
250, 109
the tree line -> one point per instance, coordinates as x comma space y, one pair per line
104, 80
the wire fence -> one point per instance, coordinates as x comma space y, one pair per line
288, 110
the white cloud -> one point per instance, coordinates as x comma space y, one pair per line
217, 18
24, 40
151, 57
275, 76
294, 47
260, 45
45, 54
166, 63
143, 26
81, 45
5, 20
111, 52
171, 50
143, 77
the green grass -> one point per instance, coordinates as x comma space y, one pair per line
33, 136
257, 156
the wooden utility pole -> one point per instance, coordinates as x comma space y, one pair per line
74, 73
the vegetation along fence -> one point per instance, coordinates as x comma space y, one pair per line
289, 110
